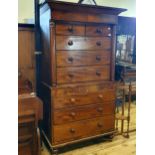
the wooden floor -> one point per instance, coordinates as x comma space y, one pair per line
119, 145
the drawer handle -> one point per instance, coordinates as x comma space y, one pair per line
70, 59
72, 100
70, 42
70, 29
99, 31
98, 73
72, 114
109, 35
98, 58
100, 125
71, 75
98, 43
72, 130
100, 109
100, 96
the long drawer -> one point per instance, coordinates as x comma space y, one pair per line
77, 95
81, 129
83, 74
82, 58
63, 116
82, 43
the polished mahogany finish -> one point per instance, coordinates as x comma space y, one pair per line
78, 74
82, 58
84, 128
78, 87
82, 43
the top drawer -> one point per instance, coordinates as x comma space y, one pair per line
69, 29
98, 31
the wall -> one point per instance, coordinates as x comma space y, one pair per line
26, 7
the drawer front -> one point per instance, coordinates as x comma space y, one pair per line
82, 112
82, 74
83, 89
77, 100
82, 58
81, 129
69, 29
77, 95
98, 31
82, 43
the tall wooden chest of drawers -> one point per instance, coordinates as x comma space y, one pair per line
77, 71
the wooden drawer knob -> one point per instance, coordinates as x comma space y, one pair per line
100, 109
72, 114
70, 59
99, 31
98, 58
70, 75
98, 43
70, 29
72, 130
100, 125
70, 42
72, 100
98, 73
100, 96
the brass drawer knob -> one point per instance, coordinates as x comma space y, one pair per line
98, 58
99, 31
98, 43
100, 96
70, 29
72, 114
72, 130
98, 73
72, 100
100, 125
100, 109
70, 59
70, 42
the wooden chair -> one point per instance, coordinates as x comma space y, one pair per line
126, 89
30, 112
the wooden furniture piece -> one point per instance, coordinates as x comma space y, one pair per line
78, 65
122, 90
30, 108
29, 114
26, 56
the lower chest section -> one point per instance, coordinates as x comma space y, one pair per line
82, 111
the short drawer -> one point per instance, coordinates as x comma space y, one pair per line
83, 95
70, 29
98, 31
83, 74
82, 112
82, 43
82, 58
81, 129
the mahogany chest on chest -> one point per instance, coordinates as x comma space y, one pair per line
77, 71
